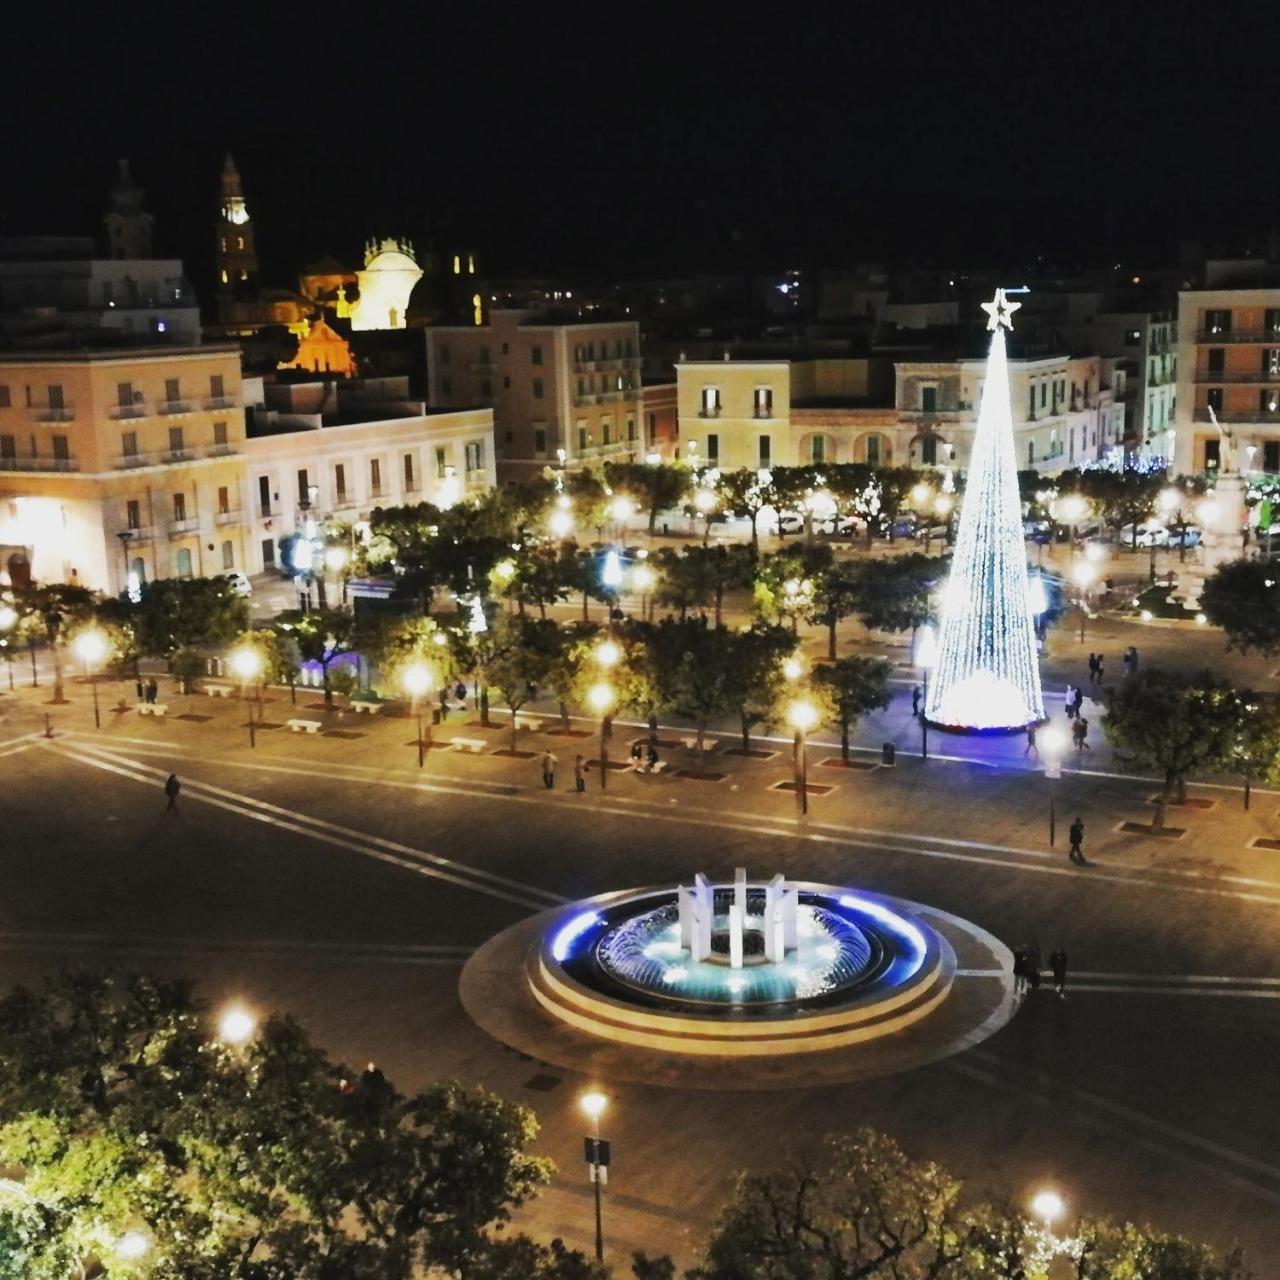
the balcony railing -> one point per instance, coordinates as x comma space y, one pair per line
1242, 335
139, 533
30, 463
265, 511
174, 406
187, 525
344, 502
230, 516
220, 402
223, 449
1260, 416
56, 413
138, 410
709, 411
1259, 378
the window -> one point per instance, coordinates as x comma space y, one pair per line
224, 500
375, 476
172, 391
55, 397
1133, 337
653, 425
763, 451
340, 481
1269, 401
1031, 403
1272, 322
535, 355
506, 348
873, 451
764, 402
713, 448
1044, 394
61, 452
124, 395
537, 388
8, 447
539, 441
710, 402
607, 429
578, 353
129, 444
631, 430
484, 355
215, 386
264, 495
408, 473
1214, 360
133, 514
1212, 454
928, 451
1217, 321
304, 489
929, 399
175, 440
228, 555
1271, 362
582, 438
1031, 452
474, 456
1271, 455
4, 396
1213, 397
582, 387
220, 435
179, 507
183, 561
268, 552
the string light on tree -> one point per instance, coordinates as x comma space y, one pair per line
987, 673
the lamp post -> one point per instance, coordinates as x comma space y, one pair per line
1053, 744
1071, 508
8, 620
704, 501
336, 560
802, 716
1084, 574
597, 1153
417, 680
236, 1026
926, 658
1048, 1207
91, 647
642, 580
600, 698
247, 664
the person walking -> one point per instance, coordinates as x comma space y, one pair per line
152, 690
1075, 836
1058, 963
1033, 966
915, 702
1080, 731
1093, 667
579, 773
171, 788
1077, 703
140, 688
1100, 672
1069, 698
1019, 973
1031, 740
549, 770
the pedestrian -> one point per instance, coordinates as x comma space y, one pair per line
444, 705
548, 770
1077, 703
152, 690
142, 693
652, 757
1079, 731
1075, 834
171, 788
915, 702
1100, 673
1033, 966
1093, 667
637, 754
1031, 740
1020, 973
1058, 963
579, 773
460, 692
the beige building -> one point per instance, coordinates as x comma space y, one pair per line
1228, 360
138, 464
552, 387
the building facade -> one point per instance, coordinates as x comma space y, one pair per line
559, 392
1228, 362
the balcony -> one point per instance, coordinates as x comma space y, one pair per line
220, 402
32, 463
135, 410
265, 511
56, 413
712, 411
1257, 416
1220, 379
230, 516
170, 407
483, 366
139, 533
344, 502
1243, 335
177, 528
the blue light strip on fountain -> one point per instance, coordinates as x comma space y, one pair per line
571, 932
903, 928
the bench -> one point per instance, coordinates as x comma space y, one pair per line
305, 726
219, 690
660, 767
474, 745
153, 708
533, 723
363, 704
691, 744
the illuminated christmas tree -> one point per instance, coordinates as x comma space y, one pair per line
987, 674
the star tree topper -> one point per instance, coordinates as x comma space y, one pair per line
1000, 311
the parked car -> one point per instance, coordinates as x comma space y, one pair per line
1151, 533
840, 526
1188, 537
790, 522
903, 527
239, 584
1040, 531
931, 533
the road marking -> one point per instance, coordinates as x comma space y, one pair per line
1232, 993
1199, 978
416, 860
1108, 872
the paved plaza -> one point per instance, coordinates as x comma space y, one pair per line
327, 876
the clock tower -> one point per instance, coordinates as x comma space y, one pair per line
237, 261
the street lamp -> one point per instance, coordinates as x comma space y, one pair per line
1053, 745
1084, 574
608, 654
417, 681
1072, 508
642, 578
336, 560
247, 664
593, 1105
1049, 1207
560, 522
792, 669
704, 501
236, 1026
8, 620
133, 1245
926, 658
600, 698
802, 717
91, 647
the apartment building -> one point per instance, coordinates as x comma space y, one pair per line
1228, 361
558, 390
121, 461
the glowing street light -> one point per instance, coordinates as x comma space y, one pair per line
1169, 499
1048, 1206
802, 717
642, 579
1053, 745
91, 647
418, 680
560, 522
622, 509
335, 559
593, 1106
8, 620
920, 493
236, 1026
611, 570
1085, 575
1209, 511
133, 1245
792, 669
600, 698
608, 654
247, 664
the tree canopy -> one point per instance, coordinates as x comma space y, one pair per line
1243, 598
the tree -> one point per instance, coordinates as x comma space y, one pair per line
853, 686
278, 653
1108, 1251
53, 611
654, 486
835, 596
696, 670
178, 613
699, 577
786, 582
1256, 756
545, 573
567, 663
115, 616
744, 494
321, 635
1174, 722
395, 644
1243, 598
757, 681
896, 594
524, 654
187, 665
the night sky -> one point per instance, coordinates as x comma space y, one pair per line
689, 138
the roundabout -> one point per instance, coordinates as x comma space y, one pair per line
757, 980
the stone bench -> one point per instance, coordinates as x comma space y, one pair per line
365, 705
533, 723
153, 708
691, 744
660, 767
305, 726
474, 745
219, 690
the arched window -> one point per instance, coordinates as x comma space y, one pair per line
139, 570
183, 561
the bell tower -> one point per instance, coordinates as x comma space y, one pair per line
128, 223
237, 261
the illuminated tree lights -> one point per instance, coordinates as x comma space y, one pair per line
987, 674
